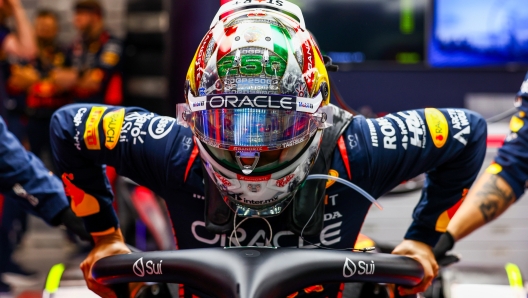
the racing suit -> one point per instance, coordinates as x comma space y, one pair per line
26, 182
511, 162
375, 154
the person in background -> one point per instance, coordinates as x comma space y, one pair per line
21, 44
502, 184
94, 58
35, 81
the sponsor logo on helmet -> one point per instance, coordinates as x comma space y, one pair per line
198, 104
256, 202
437, 123
248, 149
284, 180
305, 105
275, 2
253, 178
150, 268
112, 123
235, 101
91, 131
222, 179
362, 268
163, 127
294, 142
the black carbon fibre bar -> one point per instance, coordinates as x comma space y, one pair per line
255, 272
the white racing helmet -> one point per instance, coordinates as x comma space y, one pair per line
256, 93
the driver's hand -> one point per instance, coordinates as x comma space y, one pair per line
422, 253
107, 245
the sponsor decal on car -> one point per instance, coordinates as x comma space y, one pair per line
91, 131
362, 268
437, 123
112, 123
150, 268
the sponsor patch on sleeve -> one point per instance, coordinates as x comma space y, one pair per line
516, 124
437, 123
112, 123
494, 169
91, 131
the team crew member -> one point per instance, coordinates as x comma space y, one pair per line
29, 185
502, 183
20, 44
94, 57
35, 81
257, 113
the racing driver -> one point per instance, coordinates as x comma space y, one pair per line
257, 121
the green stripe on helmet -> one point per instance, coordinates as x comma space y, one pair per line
280, 44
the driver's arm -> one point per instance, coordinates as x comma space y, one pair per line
449, 145
137, 143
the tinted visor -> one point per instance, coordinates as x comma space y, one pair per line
250, 129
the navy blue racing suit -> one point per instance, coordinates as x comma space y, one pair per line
376, 154
511, 162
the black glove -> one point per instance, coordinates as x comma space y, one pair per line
73, 223
445, 244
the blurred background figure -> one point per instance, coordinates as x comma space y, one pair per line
21, 44
35, 81
94, 57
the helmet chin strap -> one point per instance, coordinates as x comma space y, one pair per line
247, 169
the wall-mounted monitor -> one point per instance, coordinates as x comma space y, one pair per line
363, 31
474, 33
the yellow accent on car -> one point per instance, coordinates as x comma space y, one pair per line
437, 123
514, 275
54, 278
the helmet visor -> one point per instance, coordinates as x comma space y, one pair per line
250, 129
